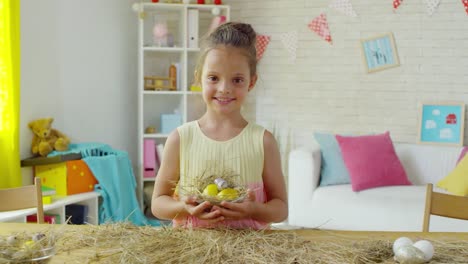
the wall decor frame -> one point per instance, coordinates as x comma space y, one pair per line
441, 123
379, 53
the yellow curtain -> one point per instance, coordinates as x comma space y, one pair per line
10, 171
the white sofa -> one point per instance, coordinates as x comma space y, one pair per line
395, 208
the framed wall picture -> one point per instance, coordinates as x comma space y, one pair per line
442, 123
379, 53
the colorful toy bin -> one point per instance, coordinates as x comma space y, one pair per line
67, 178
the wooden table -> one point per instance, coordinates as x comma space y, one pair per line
309, 234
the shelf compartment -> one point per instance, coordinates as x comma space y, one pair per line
162, 26
154, 106
157, 63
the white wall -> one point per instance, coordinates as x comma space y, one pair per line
327, 89
40, 87
78, 65
98, 49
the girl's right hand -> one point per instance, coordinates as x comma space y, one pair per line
202, 211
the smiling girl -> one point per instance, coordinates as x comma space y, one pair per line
227, 72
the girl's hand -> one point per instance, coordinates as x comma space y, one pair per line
203, 211
237, 211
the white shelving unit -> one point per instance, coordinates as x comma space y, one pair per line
155, 59
89, 199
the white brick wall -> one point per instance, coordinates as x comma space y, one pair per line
327, 89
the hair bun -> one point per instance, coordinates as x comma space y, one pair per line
246, 29
230, 34
234, 33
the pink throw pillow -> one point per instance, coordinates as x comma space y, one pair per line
372, 161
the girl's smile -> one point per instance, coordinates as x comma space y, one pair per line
223, 100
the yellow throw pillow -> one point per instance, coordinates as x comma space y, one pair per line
457, 181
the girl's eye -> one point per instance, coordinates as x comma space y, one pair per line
238, 80
212, 78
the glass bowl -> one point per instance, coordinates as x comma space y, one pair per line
43, 254
31, 256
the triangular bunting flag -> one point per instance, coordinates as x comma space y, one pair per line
396, 3
344, 6
261, 45
432, 6
289, 41
465, 4
320, 26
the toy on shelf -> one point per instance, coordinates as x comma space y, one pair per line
150, 130
161, 35
173, 76
201, 2
45, 138
195, 88
159, 83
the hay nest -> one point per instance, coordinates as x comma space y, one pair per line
23, 247
222, 179
125, 243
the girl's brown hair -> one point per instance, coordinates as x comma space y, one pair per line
233, 34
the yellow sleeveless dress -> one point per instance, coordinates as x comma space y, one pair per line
242, 155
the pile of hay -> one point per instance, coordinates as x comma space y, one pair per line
125, 243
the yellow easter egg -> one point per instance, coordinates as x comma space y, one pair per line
28, 244
228, 194
211, 190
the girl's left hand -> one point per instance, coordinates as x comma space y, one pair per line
237, 211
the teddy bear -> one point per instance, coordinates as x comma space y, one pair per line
45, 138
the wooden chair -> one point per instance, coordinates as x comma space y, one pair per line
22, 198
445, 205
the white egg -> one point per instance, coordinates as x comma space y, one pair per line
409, 255
402, 241
426, 247
12, 240
38, 236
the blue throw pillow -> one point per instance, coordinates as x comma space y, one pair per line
333, 169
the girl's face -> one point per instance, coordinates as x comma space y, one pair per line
226, 79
